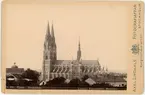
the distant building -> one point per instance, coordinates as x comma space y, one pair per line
68, 69
14, 70
116, 82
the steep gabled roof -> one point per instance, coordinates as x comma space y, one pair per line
84, 62
90, 62
63, 62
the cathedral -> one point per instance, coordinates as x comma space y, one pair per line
69, 69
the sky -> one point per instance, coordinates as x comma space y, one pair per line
102, 30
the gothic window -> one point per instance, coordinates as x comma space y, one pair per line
46, 57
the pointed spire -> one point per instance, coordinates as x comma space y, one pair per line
52, 31
52, 35
47, 41
48, 29
79, 51
79, 46
47, 36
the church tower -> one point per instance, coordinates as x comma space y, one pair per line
54, 52
79, 52
76, 68
49, 53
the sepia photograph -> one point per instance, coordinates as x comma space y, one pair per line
66, 46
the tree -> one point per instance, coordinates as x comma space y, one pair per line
31, 77
75, 83
57, 83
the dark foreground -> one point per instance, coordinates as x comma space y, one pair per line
68, 88
60, 83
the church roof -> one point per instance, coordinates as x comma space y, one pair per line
63, 62
84, 62
62, 66
90, 62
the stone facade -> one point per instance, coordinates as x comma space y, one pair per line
68, 69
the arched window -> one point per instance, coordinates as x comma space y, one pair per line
46, 57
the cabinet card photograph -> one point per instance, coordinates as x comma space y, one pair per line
72, 47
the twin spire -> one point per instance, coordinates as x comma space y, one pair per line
50, 38
48, 31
